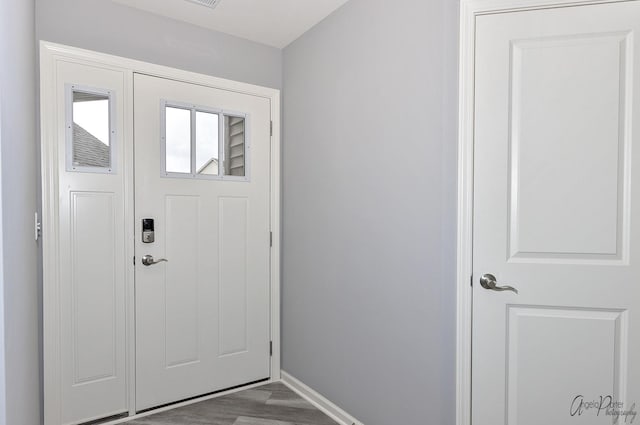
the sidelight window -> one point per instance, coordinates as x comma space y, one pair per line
90, 130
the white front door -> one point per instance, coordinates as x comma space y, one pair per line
557, 216
202, 179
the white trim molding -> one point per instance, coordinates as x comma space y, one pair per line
322, 403
469, 10
50, 55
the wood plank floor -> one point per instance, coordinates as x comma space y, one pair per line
271, 404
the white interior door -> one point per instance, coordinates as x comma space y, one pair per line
557, 215
202, 175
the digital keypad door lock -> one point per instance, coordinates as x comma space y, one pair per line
148, 231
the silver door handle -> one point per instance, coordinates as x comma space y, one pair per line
148, 260
489, 281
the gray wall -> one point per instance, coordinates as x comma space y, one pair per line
369, 210
19, 250
109, 27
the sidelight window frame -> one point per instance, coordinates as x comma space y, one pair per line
70, 89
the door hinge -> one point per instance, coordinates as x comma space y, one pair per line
271, 348
37, 227
134, 260
471, 281
271, 128
271, 239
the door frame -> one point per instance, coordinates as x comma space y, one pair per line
50, 55
469, 10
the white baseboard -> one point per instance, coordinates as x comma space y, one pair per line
322, 403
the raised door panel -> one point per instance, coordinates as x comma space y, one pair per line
182, 341
233, 232
93, 287
580, 351
568, 140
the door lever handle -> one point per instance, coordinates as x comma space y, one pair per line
148, 260
489, 281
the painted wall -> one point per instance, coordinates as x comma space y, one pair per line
369, 210
109, 27
18, 174
3, 401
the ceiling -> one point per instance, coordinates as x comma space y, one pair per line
273, 22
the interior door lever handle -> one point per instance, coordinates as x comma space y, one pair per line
148, 260
489, 281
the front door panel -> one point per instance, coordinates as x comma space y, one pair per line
556, 208
202, 317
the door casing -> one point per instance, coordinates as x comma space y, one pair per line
50, 55
469, 10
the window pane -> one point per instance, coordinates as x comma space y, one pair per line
234, 164
178, 140
91, 130
206, 143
